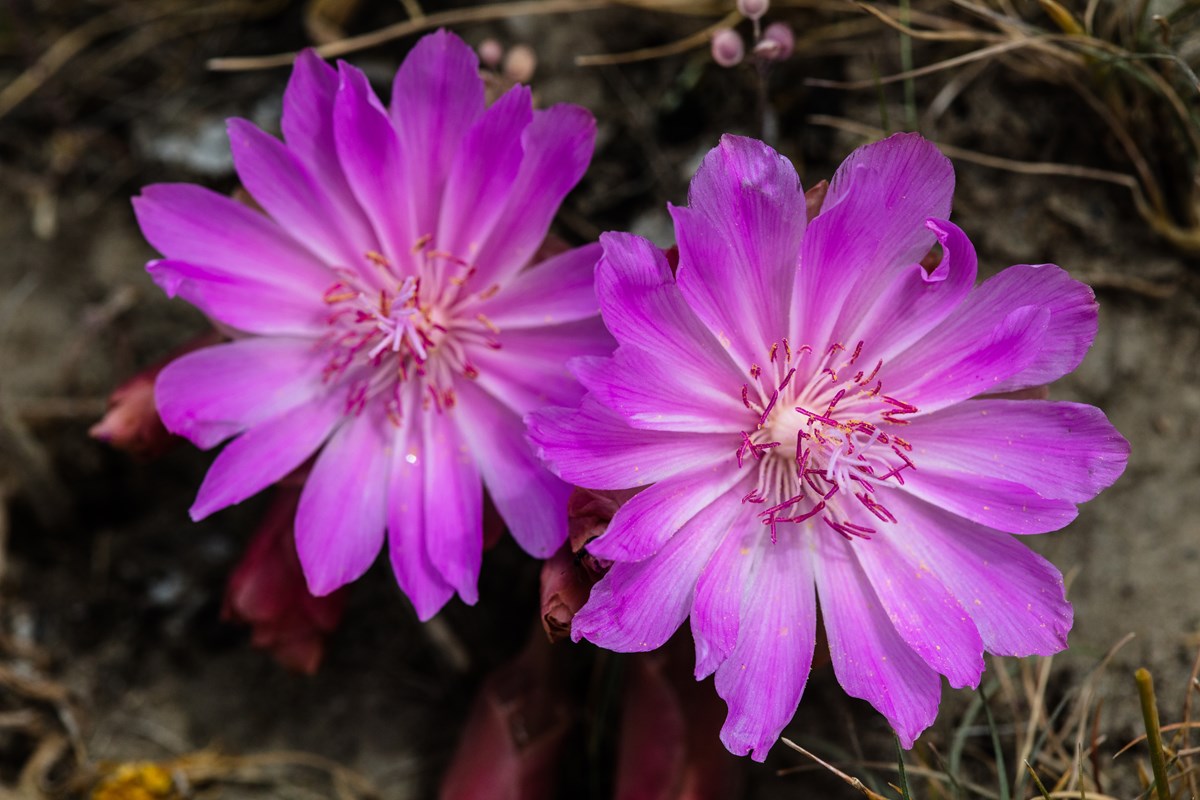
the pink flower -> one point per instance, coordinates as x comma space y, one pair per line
391, 325
811, 410
267, 591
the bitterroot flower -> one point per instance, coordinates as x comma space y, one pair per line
814, 415
391, 325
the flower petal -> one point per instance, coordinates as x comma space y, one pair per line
280, 183
993, 502
308, 129
529, 369
948, 366
1073, 318
558, 146
637, 606
870, 659
342, 513
1061, 450
915, 302
436, 98
482, 174
717, 606
211, 394
1015, 597
764, 676
871, 224
244, 302
651, 395
368, 152
925, 614
593, 447
196, 225
532, 502
266, 453
642, 526
739, 243
453, 504
644, 308
557, 290
407, 535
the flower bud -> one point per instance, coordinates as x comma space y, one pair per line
753, 9
520, 64
132, 423
267, 590
490, 53
778, 42
727, 47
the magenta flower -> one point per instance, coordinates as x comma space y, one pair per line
390, 320
810, 408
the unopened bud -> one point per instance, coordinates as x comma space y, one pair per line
727, 47
753, 9
778, 42
520, 64
490, 53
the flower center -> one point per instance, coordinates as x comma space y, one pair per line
821, 442
386, 330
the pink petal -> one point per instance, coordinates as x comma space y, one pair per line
1073, 317
642, 526
739, 243
436, 98
638, 606
719, 593
993, 502
245, 302
342, 513
870, 659
211, 394
196, 225
453, 504
764, 676
281, 184
593, 447
308, 129
559, 289
529, 370
924, 612
1014, 596
266, 453
407, 536
1063, 450
558, 146
482, 174
532, 502
915, 302
871, 224
644, 308
368, 152
650, 394
948, 366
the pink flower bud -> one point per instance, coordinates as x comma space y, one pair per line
267, 590
728, 48
814, 198
132, 423
753, 9
778, 42
490, 53
520, 64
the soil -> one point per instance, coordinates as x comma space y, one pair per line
108, 590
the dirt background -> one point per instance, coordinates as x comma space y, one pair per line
109, 590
